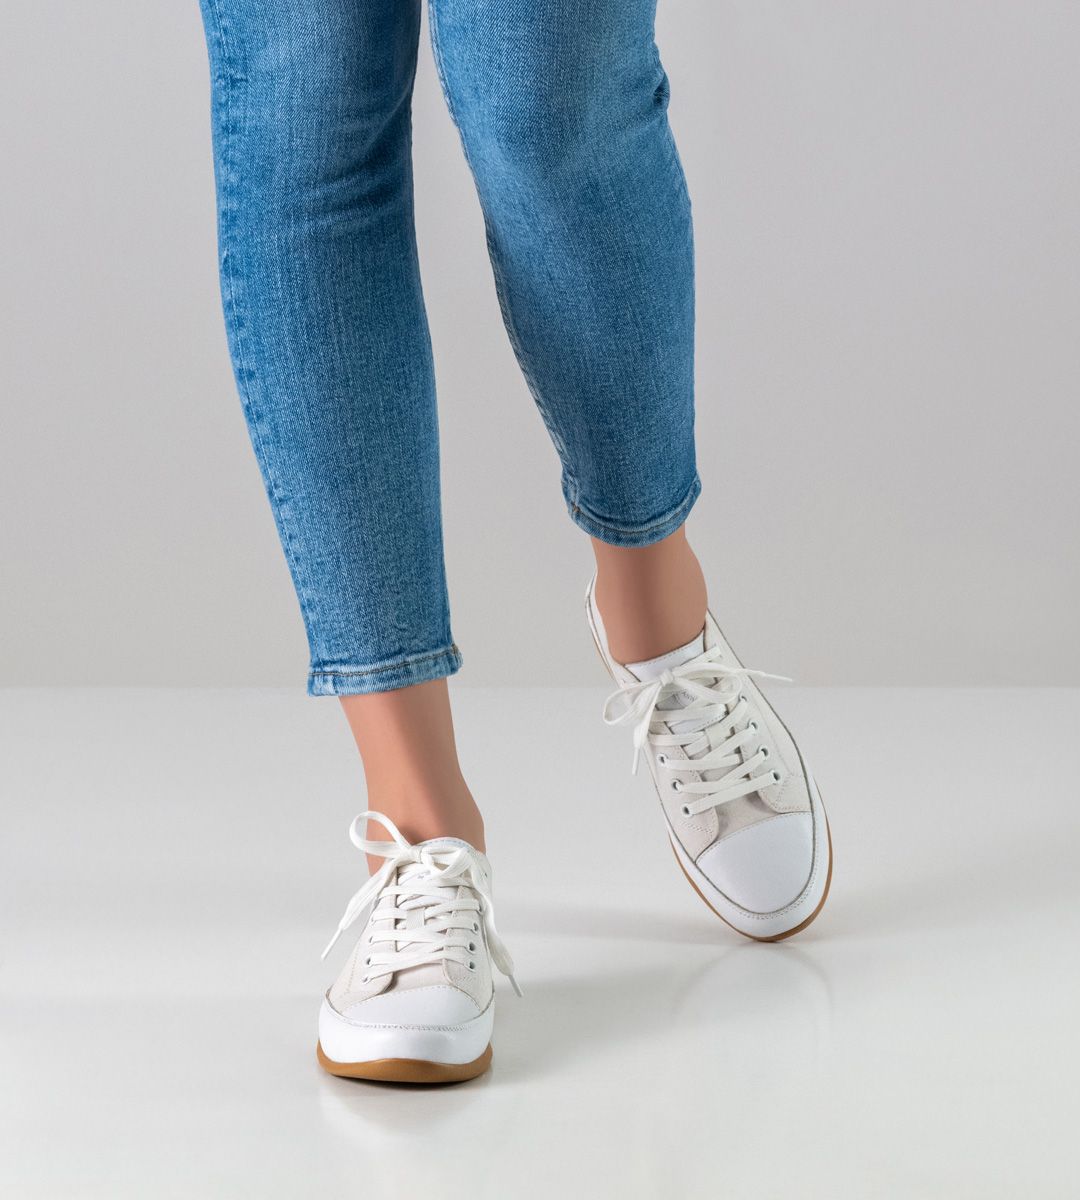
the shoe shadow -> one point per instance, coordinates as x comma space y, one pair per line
610, 923
669, 1018
743, 992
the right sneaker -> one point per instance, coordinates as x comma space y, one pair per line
743, 812
415, 1001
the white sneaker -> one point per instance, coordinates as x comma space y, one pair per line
415, 1002
743, 812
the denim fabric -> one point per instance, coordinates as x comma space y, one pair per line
561, 106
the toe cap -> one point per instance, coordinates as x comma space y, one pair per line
765, 866
430, 1025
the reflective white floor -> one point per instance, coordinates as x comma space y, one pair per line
172, 863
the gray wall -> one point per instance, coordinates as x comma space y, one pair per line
886, 196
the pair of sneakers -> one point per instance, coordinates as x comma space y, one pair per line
415, 1000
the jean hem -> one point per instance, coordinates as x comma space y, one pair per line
615, 533
384, 677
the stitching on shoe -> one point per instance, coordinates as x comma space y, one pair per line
746, 828
385, 1025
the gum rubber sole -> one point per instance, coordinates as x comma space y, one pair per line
406, 1070
776, 937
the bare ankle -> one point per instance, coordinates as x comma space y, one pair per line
652, 598
406, 740
422, 810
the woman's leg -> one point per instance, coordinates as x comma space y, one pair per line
562, 112
327, 330
406, 739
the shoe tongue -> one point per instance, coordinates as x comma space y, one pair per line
427, 973
411, 872
442, 845
653, 668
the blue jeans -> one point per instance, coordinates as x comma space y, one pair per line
561, 106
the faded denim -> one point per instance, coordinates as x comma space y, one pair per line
561, 106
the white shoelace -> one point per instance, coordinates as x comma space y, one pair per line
418, 876
716, 702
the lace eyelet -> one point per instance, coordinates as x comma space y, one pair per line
367, 961
686, 810
472, 966
676, 785
475, 927
472, 947
363, 979
752, 725
776, 776
661, 760
764, 751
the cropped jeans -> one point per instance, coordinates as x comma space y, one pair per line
561, 107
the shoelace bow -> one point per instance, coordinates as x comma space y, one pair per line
719, 702
447, 923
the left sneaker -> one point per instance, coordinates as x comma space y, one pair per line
414, 1002
743, 812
